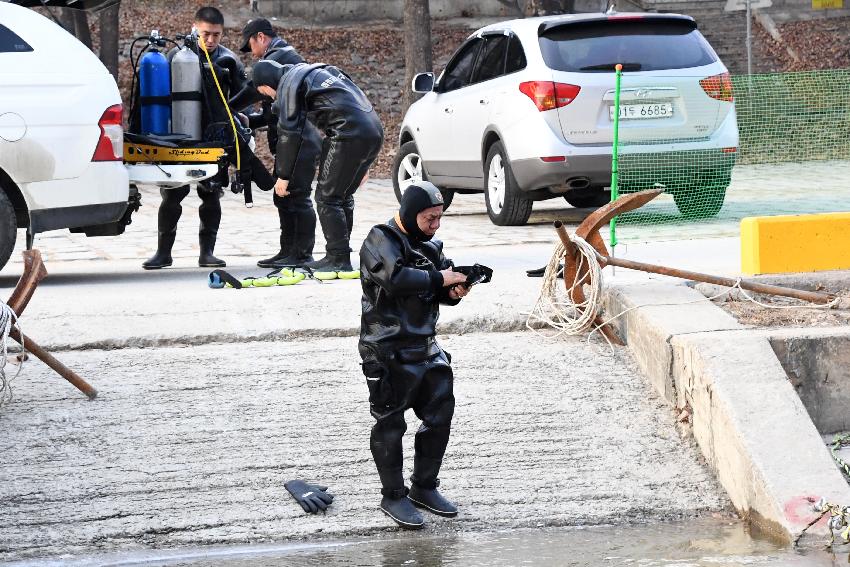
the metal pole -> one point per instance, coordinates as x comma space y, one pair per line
749, 38
615, 161
51, 361
811, 296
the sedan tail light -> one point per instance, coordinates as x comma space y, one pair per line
110, 145
718, 87
547, 95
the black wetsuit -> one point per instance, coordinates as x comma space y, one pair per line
404, 366
296, 213
210, 191
353, 139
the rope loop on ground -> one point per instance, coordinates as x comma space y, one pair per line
8, 320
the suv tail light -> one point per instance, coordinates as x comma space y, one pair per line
718, 87
547, 95
110, 145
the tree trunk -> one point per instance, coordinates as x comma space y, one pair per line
66, 16
417, 46
109, 38
81, 26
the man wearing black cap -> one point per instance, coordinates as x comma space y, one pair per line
295, 211
353, 139
405, 278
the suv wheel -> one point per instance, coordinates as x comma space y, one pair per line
407, 169
8, 228
585, 198
700, 202
506, 205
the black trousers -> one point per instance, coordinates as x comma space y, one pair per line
295, 211
399, 382
344, 163
170, 209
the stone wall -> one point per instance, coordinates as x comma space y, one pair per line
335, 11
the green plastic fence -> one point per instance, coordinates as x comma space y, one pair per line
791, 156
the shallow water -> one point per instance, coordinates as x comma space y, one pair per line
700, 543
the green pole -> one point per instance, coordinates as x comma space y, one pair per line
614, 151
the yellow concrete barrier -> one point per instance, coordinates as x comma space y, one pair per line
795, 243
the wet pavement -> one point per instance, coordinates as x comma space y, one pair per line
704, 542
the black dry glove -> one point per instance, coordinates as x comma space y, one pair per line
475, 274
312, 497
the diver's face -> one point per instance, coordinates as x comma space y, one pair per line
258, 44
210, 33
429, 219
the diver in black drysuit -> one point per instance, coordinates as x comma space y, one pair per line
353, 139
405, 277
295, 211
232, 76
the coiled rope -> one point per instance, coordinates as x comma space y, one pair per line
8, 320
554, 307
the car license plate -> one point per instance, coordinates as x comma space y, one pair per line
643, 111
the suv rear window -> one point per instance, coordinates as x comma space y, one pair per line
640, 45
10, 42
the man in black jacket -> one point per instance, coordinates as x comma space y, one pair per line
295, 211
405, 277
353, 139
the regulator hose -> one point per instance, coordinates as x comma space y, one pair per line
224, 100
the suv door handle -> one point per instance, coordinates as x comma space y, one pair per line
448, 110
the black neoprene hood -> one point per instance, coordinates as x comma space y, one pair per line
423, 195
268, 73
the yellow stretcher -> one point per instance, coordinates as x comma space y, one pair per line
148, 153
165, 161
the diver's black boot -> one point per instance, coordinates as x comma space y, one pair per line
335, 228
430, 499
162, 257
206, 259
295, 260
287, 237
402, 511
331, 263
302, 238
275, 261
348, 208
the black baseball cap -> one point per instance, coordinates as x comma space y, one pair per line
254, 27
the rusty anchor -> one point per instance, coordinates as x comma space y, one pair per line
34, 272
576, 273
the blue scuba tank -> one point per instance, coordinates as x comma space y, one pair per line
155, 91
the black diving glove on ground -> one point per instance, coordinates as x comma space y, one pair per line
311, 497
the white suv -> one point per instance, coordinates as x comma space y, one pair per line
524, 112
61, 133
